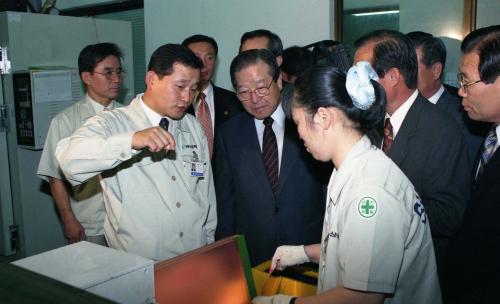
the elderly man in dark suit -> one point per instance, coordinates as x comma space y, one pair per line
214, 105
473, 264
422, 140
431, 55
268, 187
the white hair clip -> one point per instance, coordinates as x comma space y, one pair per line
359, 86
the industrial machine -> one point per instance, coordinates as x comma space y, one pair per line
38, 68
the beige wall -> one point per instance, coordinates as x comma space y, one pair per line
296, 21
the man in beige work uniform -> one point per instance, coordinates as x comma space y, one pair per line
81, 208
154, 163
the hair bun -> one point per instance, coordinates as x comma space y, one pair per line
359, 86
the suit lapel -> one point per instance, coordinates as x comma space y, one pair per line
408, 129
290, 153
218, 107
489, 176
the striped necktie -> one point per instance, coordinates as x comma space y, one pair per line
205, 120
489, 148
270, 154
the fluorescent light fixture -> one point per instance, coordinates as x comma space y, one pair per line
376, 13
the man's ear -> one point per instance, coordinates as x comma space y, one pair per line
86, 78
151, 78
279, 60
437, 70
279, 82
393, 77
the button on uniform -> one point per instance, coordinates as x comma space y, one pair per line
173, 178
181, 234
178, 205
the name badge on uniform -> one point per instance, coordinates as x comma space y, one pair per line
196, 166
197, 169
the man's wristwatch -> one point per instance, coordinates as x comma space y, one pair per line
292, 300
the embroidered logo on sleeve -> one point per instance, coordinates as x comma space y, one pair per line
367, 207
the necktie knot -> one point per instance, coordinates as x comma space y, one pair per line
202, 97
268, 122
164, 123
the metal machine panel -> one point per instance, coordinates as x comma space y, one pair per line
6, 214
38, 97
34, 41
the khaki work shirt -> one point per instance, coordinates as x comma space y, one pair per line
155, 207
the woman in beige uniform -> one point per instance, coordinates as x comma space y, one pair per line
376, 245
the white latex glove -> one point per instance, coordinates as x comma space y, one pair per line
288, 256
277, 299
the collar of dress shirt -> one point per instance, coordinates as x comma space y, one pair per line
434, 98
400, 114
99, 107
152, 116
278, 116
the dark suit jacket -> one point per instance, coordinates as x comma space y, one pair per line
245, 202
473, 260
473, 131
430, 149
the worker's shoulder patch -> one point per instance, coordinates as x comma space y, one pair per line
367, 207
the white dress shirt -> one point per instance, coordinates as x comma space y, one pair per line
152, 116
399, 115
434, 98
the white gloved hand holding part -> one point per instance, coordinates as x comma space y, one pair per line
285, 256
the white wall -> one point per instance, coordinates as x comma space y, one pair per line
443, 19
488, 13
295, 21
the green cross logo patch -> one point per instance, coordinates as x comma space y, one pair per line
367, 207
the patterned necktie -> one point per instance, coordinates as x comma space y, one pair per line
270, 154
206, 122
489, 148
388, 136
164, 123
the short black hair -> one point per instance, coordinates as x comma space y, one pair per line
393, 49
433, 48
486, 42
325, 86
92, 54
275, 44
252, 57
163, 59
201, 38
332, 52
296, 60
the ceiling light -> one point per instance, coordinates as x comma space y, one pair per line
377, 13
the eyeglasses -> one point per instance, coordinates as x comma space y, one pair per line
261, 92
108, 74
463, 83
